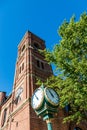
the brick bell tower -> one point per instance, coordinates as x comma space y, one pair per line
30, 65
16, 112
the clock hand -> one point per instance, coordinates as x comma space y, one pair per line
51, 94
36, 97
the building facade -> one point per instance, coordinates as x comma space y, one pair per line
16, 112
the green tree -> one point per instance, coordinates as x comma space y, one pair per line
70, 58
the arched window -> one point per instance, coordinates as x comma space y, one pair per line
36, 45
38, 63
23, 48
9, 108
42, 65
77, 128
4, 117
22, 66
20, 69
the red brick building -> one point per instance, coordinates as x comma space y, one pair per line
15, 110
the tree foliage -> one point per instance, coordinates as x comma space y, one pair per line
70, 58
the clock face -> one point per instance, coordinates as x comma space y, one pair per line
37, 98
18, 95
19, 91
51, 96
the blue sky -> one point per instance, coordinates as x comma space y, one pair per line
40, 17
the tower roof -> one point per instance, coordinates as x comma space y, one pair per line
30, 33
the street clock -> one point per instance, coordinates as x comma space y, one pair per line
45, 102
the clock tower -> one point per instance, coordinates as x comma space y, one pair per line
30, 65
16, 112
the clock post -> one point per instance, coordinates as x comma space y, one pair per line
49, 124
45, 103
